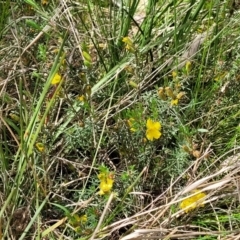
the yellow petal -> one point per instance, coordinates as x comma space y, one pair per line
149, 123
153, 134
156, 134
56, 79
174, 102
157, 125
130, 122
128, 44
101, 176
81, 98
153, 130
153, 125
127, 40
101, 192
106, 186
193, 202
149, 136
106, 183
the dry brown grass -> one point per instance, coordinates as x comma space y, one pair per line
158, 221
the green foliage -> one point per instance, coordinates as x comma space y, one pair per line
119, 65
4, 15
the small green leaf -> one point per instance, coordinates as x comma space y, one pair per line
33, 24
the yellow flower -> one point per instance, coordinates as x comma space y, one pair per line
128, 44
80, 219
127, 40
56, 79
176, 99
83, 218
106, 183
40, 147
130, 122
106, 186
81, 98
77, 221
101, 176
174, 102
193, 202
153, 130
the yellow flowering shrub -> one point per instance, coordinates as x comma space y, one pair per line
153, 130
193, 202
